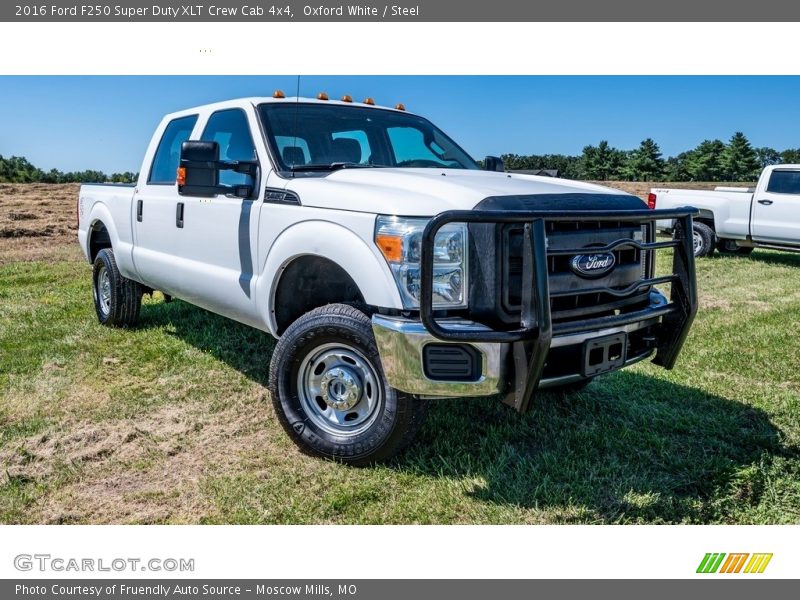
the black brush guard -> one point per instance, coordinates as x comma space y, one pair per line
531, 340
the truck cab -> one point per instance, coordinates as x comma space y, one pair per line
392, 267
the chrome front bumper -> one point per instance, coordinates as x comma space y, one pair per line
401, 341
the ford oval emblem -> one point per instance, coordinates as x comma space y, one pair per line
593, 265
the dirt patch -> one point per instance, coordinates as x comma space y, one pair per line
22, 216
27, 230
710, 302
144, 470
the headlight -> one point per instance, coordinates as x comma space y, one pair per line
400, 242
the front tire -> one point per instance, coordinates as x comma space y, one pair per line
117, 300
702, 239
330, 393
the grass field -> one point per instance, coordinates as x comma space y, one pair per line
171, 422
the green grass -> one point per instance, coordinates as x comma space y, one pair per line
171, 422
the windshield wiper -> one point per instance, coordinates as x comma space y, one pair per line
334, 166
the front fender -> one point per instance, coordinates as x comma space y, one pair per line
361, 260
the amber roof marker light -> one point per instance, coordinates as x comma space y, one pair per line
278, 94
322, 96
347, 98
400, 106
370, 101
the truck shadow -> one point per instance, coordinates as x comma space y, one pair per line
245, 349
770, 257
630, 447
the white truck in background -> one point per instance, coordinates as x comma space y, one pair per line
737, 220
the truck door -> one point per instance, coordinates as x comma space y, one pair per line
776, 208
220, 233
157, 250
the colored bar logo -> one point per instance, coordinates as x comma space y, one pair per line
719, 562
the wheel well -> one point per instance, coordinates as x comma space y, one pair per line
309, 282
98, 239
706, 218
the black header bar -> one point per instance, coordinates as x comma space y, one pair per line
400, 11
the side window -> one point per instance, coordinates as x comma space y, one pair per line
164, 169
230, 129
784, 182
408, 144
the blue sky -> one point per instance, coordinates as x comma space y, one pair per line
82, 122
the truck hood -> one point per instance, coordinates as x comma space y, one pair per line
424, 192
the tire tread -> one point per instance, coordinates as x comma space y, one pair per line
411, 411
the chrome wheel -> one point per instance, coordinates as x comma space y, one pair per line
339, 389
697, 243
103, 290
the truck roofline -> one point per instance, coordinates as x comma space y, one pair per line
257, 100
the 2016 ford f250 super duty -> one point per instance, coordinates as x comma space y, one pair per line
736, 219
392, 268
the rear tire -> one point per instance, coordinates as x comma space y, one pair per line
727, 246
330, 393
117, 300
703, 239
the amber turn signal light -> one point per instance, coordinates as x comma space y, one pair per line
181, 179
391, 246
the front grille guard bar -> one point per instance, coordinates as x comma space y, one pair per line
531, 339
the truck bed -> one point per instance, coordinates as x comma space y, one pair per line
112, 203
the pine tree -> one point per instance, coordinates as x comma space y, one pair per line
645, 163
739, 159
704, 163
601, 162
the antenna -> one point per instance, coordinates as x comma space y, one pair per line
296, 113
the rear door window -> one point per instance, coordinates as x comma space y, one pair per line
164, 169
784, 182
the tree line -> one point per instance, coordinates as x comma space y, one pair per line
711, 160
16, 169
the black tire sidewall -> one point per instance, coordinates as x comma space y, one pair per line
104, 259
707, 235
295, 345
126, 295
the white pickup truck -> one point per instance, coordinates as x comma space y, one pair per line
736, 220
392, 268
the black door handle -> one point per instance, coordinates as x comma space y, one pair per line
139, 204
179, 215
765, 202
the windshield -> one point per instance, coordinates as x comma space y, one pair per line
318, 137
